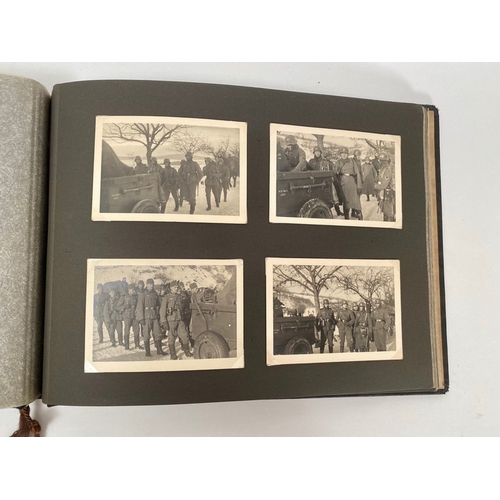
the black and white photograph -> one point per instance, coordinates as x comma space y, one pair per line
329, 310
335, 177
149, 168
163, 315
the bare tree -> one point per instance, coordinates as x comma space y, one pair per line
235, 150
367, 282
185, 141
217, 150
313, 279
150, 135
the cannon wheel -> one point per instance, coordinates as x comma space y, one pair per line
145, 207
210, 345
315, 209
298, 345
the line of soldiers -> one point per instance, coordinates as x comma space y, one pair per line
183, 184
352, 178
356, 326
148, 313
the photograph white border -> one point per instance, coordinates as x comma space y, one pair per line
167, 365
198, 216
274, 218
295, 359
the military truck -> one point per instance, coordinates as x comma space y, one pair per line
309, 193
124, 192
213, 323
294, 334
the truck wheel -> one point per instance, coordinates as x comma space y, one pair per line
315, 209
298, 345
145, 207
209, 345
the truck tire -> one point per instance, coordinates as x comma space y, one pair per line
209, 345
145, 207
315, 209
298, 345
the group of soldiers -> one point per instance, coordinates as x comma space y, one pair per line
356, 326
183, 184
149, 314
373, 176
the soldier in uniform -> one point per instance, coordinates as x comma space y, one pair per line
357, 158
112, 317
171, 318
295, 155
190, 174
147, 313
99, 300
363, 328
369, 176
281, 160
345, 323
386, 187
277, 308
129, 319
381, 322
155, 167
186, 312
350, 182
325, 322
169, 180
140, 168
212, 182
224, 177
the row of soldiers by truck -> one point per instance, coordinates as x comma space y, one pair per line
352, 176
357, 324
123, 307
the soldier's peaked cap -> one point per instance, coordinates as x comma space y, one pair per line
150, 281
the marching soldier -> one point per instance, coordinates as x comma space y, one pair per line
381, 322
325, 322
212, 182
294, 154
171, 319
190, 174
350, 181
345, 323
224, 177
147, 313
363, 328
99, 300
169, 179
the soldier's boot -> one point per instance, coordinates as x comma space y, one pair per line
341, 348
367, 197
171, 348
159, 349
337, 209
191, 208
330, 349
148, 349
138, 346
187, 352
360, 215
346, 213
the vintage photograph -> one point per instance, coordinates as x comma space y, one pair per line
150, 168
329, 310
163, 315
334, 177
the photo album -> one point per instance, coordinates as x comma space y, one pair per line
168, 243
